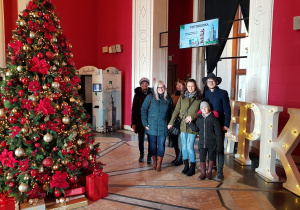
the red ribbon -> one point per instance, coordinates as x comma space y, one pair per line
6, 200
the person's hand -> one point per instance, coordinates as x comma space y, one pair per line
188, 119
169, 127
147, 127
133, 127
224, 128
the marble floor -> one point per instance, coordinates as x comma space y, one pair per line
133, 185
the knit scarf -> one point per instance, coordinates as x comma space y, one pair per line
187, 94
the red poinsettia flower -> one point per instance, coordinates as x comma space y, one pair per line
49, 26
23, 165
67, 110
48, 36
75, 80
31, 5
34, 192
16, 46
59, 180
24, 13
34, 86
7, 158
40, 66
45, 107
15, 131
52, 126
85, 151
71, 166
26, 104
42, 177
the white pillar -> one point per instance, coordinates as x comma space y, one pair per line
22, 5
149, 18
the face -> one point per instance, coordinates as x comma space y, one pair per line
211, 84
161, 88
144, 85
191, 87
205, 110
179, 86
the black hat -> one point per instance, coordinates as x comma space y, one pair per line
212, 76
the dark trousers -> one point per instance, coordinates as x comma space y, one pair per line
203, 153
141, 144
157, 144
220, 156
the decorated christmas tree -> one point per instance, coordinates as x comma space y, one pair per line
45, 141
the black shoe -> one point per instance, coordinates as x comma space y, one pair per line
141, 158
191, 171
174, 161
149, 161
186, 166
178, 162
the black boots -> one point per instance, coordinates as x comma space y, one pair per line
141, 158
178, 160
186, 166
191, 171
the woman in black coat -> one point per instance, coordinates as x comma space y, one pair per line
136, 121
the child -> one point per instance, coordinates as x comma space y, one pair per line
210, 137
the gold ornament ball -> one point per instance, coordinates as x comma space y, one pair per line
33, 165
34, 129
54, 39
91, 146
65, 162
26, 177
22, 22
9, 177
17, 22
72, 100
32, 98
2, 112
71, 55
30, 201
67, 79
8, 73
63, 104
36, 14
20, 68
45, 187
45, 87
62, 200
66, 120
90, 157
55, 167
19, 152
25, 47
79, 142
41, 169
78, 87
23, 187
32, 34
24, 130
55, 85
14, 110
56, 106
48, 137
81, 103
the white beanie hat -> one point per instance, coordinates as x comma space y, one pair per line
204, 104
144, 79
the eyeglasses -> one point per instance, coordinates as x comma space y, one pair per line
162, 88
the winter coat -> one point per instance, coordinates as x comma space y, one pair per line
210, 133
219, 101
156, 114
181, 107
137, 102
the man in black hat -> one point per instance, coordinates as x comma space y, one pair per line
219, 101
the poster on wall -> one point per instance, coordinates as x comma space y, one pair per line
111, 108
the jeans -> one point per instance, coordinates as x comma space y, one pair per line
220, 157
157, 145
187, 143
141, 144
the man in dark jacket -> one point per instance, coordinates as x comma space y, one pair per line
219, 101
136, 121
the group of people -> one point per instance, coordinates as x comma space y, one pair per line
207, 115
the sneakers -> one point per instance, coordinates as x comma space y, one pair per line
219, 178
141, 158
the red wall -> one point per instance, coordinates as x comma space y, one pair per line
285, 62
180, 12
10, 17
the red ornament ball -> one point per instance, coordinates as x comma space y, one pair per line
84, 164
55, 96
11, 184
21, 93
42, 127
3, 144
55, 47
40, 55
54, 149
25, 80
9, 83
63, 126
56, 79
29, 40
37, 145
33, 172
57, 193
18, 114
49, 55
78, 164
47, 162
23, 120
73, 179
12, 119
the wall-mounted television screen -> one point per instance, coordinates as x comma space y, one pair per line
97, 87
199, 34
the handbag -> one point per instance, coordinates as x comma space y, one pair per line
175, 130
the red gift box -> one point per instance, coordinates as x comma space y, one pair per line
7, 203
97, 186
75, 191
